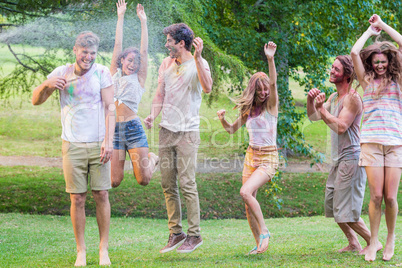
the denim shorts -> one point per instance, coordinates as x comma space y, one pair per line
129, 135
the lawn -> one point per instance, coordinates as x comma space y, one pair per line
35, 190
48, 241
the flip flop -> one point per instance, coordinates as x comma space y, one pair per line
253, 251
262, 237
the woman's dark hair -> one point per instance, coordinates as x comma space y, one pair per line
127, 51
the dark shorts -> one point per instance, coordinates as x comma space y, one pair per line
129, 135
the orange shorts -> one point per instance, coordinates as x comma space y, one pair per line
261, 158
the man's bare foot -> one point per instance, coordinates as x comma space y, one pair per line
371, 252
351, 248
389, 248
81, 258
364, 250
104, 257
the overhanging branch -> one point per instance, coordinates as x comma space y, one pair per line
19, 61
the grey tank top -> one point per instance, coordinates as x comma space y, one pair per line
345, 146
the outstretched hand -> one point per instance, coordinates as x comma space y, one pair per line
141, 12
121, 7
198, 46
270, 49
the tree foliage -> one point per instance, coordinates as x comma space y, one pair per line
308, 34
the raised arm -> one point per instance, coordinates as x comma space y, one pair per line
355, 54
204, 74
118, 41
376, 22
351, 107
273, 101
231, 128
42, 92
142, 73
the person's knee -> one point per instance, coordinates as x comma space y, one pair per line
117, 179
169, 187
390, 201
188, 187
101, 196
115, 183
245, 194
376, 198
78, 200
144, 180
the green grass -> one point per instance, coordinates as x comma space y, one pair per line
48, 241
37, 190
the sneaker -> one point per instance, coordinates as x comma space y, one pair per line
173, 242
191, 243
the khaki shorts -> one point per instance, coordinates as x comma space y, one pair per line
263, 158
80, 161
344, 191
377, 155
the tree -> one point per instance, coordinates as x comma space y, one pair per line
308, 33
65, 19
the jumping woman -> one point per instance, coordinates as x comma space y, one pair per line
258, 107
129, 70
379, 71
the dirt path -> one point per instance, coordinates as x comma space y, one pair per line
203, 166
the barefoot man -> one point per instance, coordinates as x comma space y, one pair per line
87, 117
342, 112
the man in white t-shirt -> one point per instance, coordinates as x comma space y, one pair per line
182, 79
87, 117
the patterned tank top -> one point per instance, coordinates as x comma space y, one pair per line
382, 121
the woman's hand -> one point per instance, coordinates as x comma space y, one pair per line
121, 7
270, 49
376, 22
141, 13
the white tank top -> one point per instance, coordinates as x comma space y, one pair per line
262, 129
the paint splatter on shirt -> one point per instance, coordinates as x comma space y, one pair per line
82, 110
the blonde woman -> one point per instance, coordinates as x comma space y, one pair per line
258, 107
